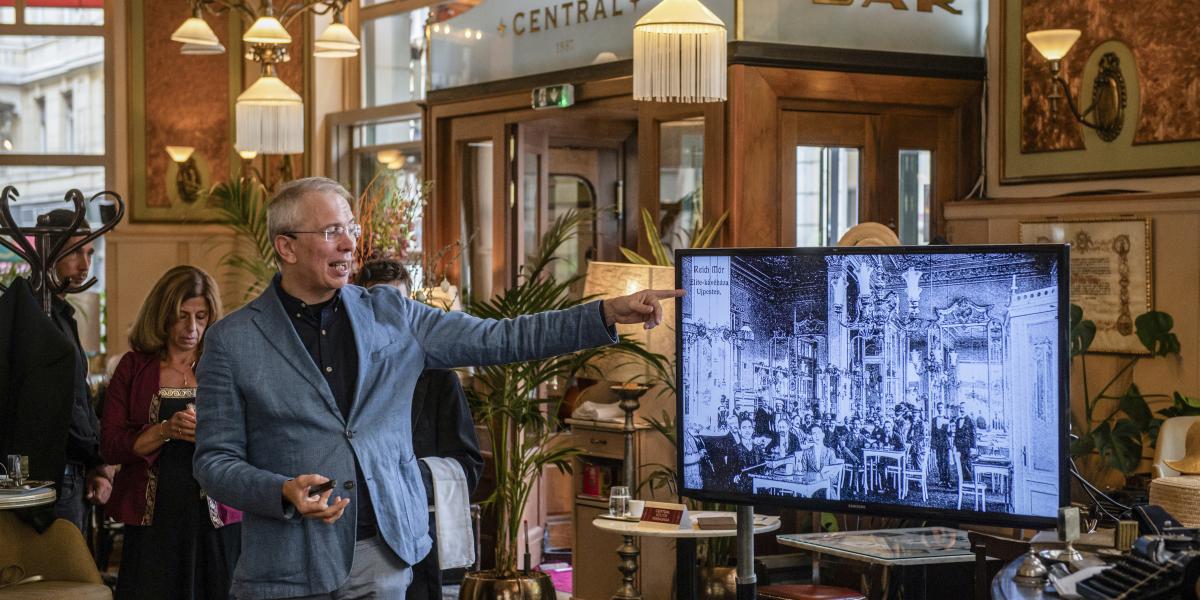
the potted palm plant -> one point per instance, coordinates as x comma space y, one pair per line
524, 426
242, 203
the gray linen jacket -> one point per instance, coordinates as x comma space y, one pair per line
265, 414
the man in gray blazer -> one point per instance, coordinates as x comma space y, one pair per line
312, 382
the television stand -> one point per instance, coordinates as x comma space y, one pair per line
746, 581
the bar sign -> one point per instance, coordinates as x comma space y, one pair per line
561, 95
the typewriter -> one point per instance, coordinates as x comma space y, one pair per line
1165, 565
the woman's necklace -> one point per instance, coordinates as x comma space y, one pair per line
183, 372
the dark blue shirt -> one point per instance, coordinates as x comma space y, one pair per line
326, 333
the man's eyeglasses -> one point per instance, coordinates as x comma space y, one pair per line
354, 230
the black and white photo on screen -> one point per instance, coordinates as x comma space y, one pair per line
914, 379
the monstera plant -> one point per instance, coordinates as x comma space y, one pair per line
1118, 423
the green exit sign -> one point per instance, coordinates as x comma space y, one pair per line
554, 96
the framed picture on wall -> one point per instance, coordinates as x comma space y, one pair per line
1040, 140
1111, 276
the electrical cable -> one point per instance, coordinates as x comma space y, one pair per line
1087, 484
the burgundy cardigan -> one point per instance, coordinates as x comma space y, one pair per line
127, 416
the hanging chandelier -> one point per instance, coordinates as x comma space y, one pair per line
270, 115
679, 54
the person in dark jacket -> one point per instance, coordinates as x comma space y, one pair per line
85, 478
441, 426
964, 440
940, 429
36, 386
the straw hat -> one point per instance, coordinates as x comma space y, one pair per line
1179, 496
1190, 463
869, 234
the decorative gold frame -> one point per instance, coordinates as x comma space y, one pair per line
1118, 158
1118, 337
140, 189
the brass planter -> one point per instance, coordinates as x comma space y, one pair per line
485, 585
718, 583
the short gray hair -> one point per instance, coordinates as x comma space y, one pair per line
286, 210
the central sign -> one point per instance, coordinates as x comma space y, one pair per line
545, 18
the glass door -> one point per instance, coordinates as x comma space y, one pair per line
479, 210
911, 156
826, 160
843, 169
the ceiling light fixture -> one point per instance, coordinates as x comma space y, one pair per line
270, 115
679, 54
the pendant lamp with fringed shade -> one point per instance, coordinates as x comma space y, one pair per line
679, 54
270, 116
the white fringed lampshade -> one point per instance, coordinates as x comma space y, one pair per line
270, 118
679, 54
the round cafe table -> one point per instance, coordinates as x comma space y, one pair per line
685, 547
18, 498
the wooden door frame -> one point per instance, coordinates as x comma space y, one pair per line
458, 134
758, 96
651, 116
840, 132
446, 125
605, 98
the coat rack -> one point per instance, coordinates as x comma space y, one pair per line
50, 244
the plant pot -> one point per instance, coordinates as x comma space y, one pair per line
718, 583
485, 585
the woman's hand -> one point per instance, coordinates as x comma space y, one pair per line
181, 426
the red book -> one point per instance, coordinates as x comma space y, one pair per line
591, 480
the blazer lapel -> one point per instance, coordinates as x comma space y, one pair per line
362, 323
275, 325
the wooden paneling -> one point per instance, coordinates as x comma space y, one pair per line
753, 171
1176, 268
793, 56
899, 111
136, 256
869, 88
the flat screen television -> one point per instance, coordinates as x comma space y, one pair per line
925, 381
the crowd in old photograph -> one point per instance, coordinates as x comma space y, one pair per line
778, 442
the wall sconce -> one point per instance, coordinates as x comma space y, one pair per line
1108, 89
187, 181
